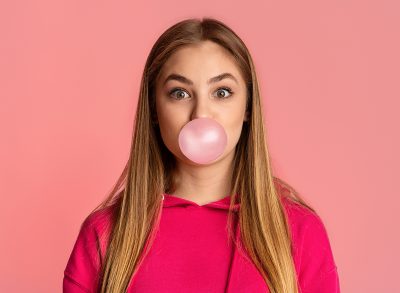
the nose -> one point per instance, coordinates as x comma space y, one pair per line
201, 108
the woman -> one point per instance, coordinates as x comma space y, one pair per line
190, 215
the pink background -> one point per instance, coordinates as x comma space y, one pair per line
69, 78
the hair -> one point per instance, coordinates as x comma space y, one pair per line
136, 197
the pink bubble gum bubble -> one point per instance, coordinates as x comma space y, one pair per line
202, 140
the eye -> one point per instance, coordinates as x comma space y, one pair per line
226, 92
226, 89
180, 91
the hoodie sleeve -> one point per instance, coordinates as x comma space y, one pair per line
317, 268
81, 272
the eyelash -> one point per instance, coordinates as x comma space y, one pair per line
221, 88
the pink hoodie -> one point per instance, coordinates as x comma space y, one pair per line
191, 253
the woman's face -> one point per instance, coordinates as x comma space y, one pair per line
200, 81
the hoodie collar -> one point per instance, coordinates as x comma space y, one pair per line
240, 263
172, 200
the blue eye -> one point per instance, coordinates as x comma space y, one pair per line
225, 96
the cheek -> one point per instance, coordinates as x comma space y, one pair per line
171, 120
235, 133
233, 129
170, 126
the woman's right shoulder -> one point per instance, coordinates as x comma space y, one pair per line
99, 220
88, 253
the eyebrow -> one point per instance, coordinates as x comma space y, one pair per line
178, 77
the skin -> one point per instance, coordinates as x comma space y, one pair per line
198, 63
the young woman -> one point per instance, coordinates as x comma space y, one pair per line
197, 208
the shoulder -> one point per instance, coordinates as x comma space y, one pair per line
88, 251
99, 221
307, 227
96, 228
311, 248
301, 217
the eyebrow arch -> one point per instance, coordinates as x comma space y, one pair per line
178, 77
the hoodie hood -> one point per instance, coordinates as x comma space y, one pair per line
171, 200
243, 276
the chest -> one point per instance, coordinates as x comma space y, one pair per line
192, 252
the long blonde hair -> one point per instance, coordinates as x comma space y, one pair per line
136, 197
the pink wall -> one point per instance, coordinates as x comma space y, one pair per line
69, 78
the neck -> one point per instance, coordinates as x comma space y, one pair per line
203, 183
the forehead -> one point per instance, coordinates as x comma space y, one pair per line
201, 60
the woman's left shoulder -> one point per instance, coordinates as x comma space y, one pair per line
311, 249
308, 230
300, 216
